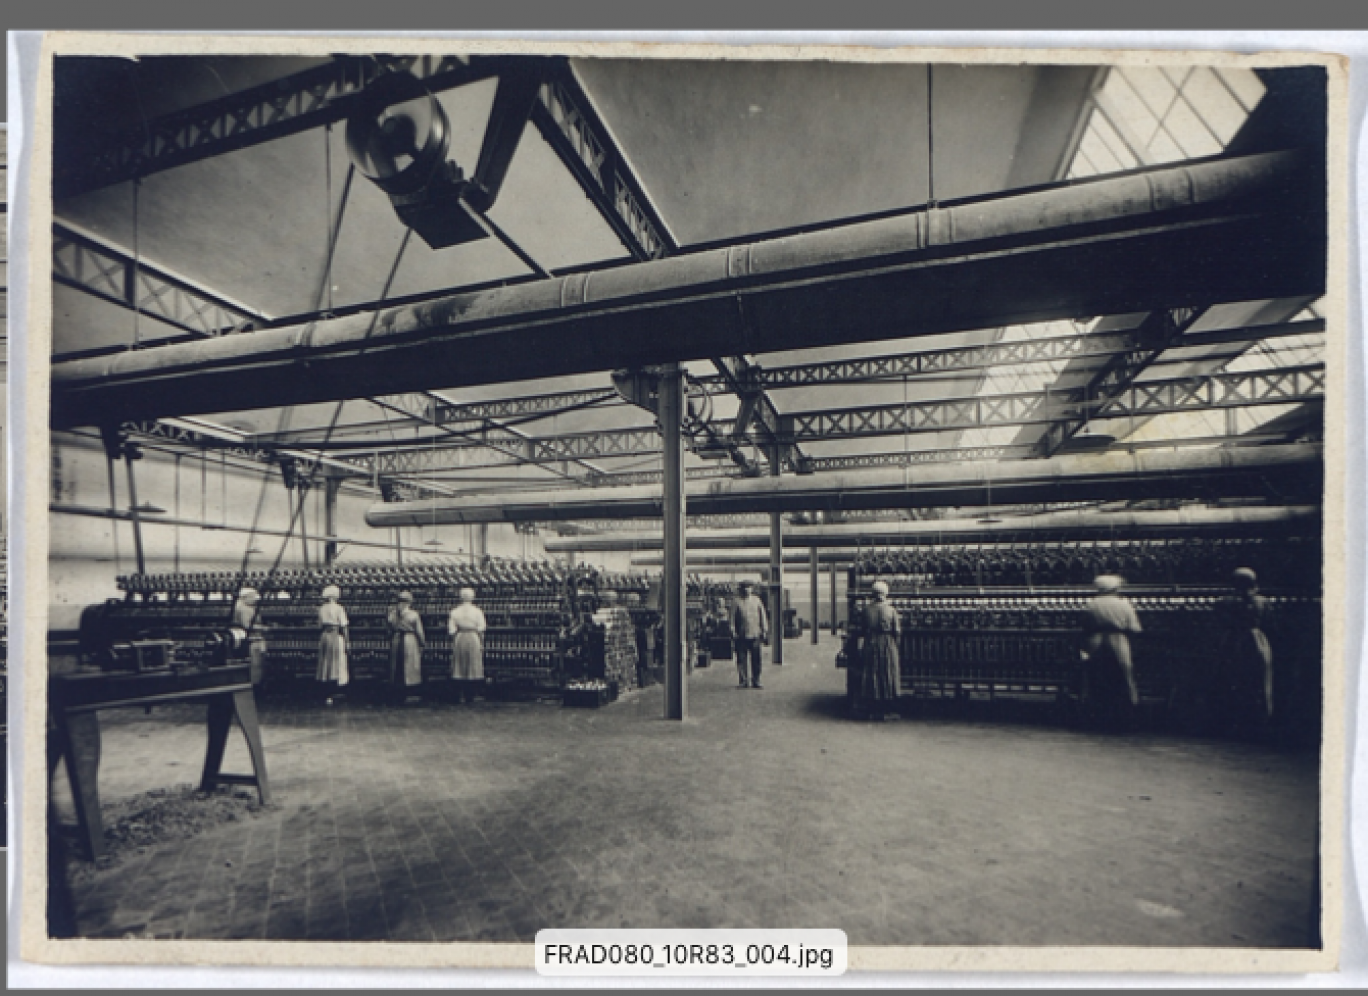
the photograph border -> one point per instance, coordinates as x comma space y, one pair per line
31, 468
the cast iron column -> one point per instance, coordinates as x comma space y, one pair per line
833, 598
671, 406
814, 573
776, 571
133, 509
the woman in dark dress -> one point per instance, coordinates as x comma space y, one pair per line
877, 696
1244, 676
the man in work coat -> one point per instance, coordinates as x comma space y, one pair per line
750, 630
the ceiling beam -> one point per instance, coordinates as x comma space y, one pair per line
1143, 399
113, 274
309, 99
1159, 331
971, 359
566, 118
1284, 473
919, 364
1200, 233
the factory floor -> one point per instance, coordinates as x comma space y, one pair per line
767, 808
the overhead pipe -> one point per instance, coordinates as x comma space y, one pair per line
121, 515
835, 542
1222, 230
1285, 470
712, 559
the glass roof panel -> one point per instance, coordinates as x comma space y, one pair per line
1154, 89
1244, 85
1120, 149
1214, 104
1124, 102
1190, 132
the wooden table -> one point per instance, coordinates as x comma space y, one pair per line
74, 701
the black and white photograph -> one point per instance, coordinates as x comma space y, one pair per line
500, 487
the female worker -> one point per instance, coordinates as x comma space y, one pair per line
1244, 676
466, 624
1109, 621
407, 641
877, 695
332, 643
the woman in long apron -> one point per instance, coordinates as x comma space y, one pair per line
406, 647
1244, 692
1109, 621
332, 643
877, 696
466, 624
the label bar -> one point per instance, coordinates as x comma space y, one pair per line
813, 953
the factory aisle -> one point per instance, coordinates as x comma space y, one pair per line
766, 809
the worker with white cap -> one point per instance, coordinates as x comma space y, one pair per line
1109, 673
332, 643
466, 624
1244, 666
407, 641
247, 617
876, 692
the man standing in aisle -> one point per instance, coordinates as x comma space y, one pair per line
750, 632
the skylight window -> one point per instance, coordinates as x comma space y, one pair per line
1145, 116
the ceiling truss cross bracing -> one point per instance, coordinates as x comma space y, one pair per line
1290, 385
310, 99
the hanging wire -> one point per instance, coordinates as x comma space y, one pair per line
327, 211
930, 142
332, 426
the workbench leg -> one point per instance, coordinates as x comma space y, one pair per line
80, 745
244, 703
220, 719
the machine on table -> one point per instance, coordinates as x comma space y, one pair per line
540, 618
146, 673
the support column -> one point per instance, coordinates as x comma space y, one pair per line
833, 598
111, 454
331, 488
131, 453
814, 572
776, 578
671, 406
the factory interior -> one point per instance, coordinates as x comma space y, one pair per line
587, 344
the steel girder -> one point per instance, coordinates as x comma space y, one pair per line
567, 120
309, 99
457, 413
198, 435
1159, 397
431, 402
114, 275
420, 407
1290, 385
919, 363
1220, 230
1159, 331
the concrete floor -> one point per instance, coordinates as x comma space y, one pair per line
767, 808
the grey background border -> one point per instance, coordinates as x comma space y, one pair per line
939, 24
